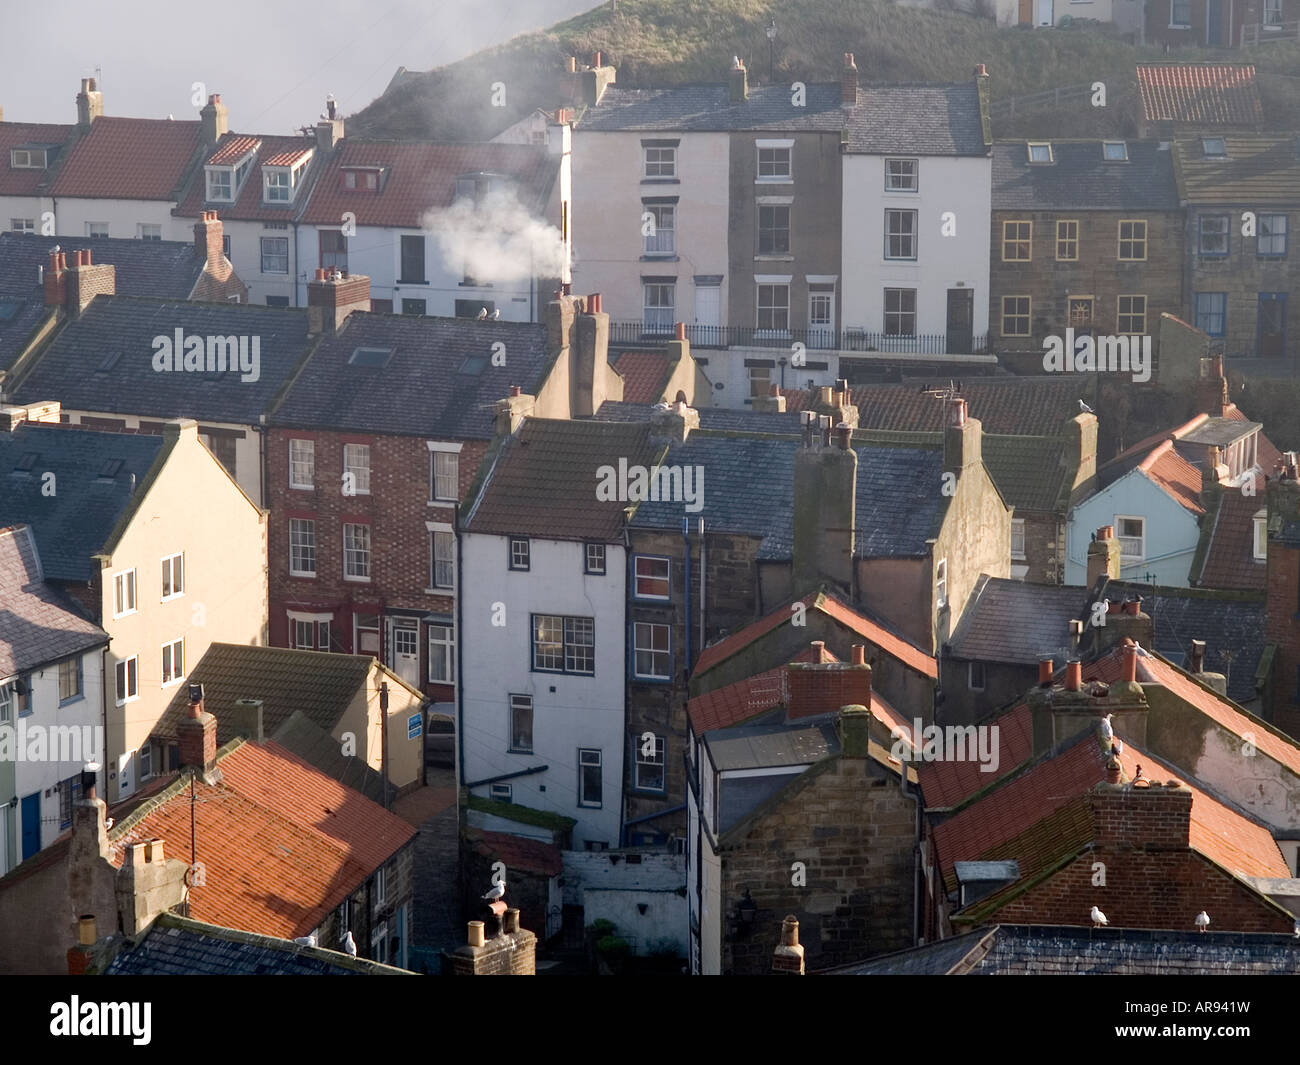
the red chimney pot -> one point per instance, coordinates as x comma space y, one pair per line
679, 330
859, 655
1073, 675
593, 303
1046, 667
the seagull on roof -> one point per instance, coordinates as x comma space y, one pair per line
1202, 921
496, 891
1297, 929
306, 941
1098, 918
349, 944
1117, 746
482, 314
496, 314
1107, 733
1085, 408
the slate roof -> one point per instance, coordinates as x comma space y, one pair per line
1261, 169
722, 419
426, 387
76, 521
768, 746
69, 369
249, 205
895, 646
25, 181
544, 480
20, 317
422, 177
896, 513
178, 946
1029, 471
1203, 94
917, 119
1016, 622
164, 269
317, 684
282, 843
1080, 179
129, 159
37, 624
1035, 950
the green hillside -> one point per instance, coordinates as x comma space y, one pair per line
676, 41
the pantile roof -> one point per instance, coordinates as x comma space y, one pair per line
249, 205
37, 624
1080, 178
643, 374
520, 853
1226, 553
79, 370
439, 377
1202, 94
76, 521
231, 148
129, 159
27, 181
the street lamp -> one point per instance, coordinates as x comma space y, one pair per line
771, 51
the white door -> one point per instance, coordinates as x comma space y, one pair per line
1044, 12
821, 319
404, 641
708, 314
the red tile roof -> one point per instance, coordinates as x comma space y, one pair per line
421, 177
1180, 479
1230, 560
249, 206
526, 855
643, 374
129, 159
282, 844
909, 654
1206, 94
23, 181
947, 783
287, 157
231, 149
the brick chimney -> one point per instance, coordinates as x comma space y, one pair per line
1212, 387
56, 282
332, 296
213, 123
511, 953
90, 103
825, 510
84, 281
197, 737
1104, 556
14, 415
1061, 711
962, 437
329, 130
837, 401
91, 874
79, 955
209, 240
787, 959
849, 82
824, 688
589, 379
511, 411
738, 81
1153, 818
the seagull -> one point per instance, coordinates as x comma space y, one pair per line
1202, 921
1297, 929
1085, 408
349, 944
1098, 918
306, 941
1117, 746
496, 314
496, 891
1107, 733
482, 314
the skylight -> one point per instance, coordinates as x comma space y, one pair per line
1040, 151
26, 463
1114, 151
8, 308
1214, 147
109, 470
109, 362
473, 364
374, 358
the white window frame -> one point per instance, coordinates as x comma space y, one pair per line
283, 182
350, 533
659, 759
647, 630
144, 761
970, 676
442, 646
670, 158
915, 234
173, 570
637, 576
1125, 557
777, 146
148, 231
168, 650
662, 240
1018, 526
521, 553
435, 530
274, 255
381, 886
22, 225
587, 565
352, 456
301, 445
451, 454
220, 184
520, 703
97, 229
773, 308
501, 792
890, 175
1260, 538
130, 584
311, 524
379, 943
658, 318
941, 584
584, 763
126, 666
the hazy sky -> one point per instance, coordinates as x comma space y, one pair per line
272, 61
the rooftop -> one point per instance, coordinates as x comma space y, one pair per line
128, 159
1201, 94
1080, 177
162, 269
1256, 169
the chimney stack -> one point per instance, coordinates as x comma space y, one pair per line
329, 130
962, 437
332, 296
1073, 675
823, 688
196, 736
589, 376
1046, 668
209, 239
849, 82
825, 511
213, 121
85, 281
90, 103
1196, 661
1104, 556
1212, 387
787, 959
738, 81
79, 955
56, 282
511, 411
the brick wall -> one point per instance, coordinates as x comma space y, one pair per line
853, 830
823, 689
1282, 694
396, 510
508, 954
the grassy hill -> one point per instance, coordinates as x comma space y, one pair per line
679, 41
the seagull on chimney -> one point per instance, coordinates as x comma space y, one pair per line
349, 944
1117, 746
1098, 918
482, 314
496, 314
1202, 921
495, 892
1084, 408
1107, 733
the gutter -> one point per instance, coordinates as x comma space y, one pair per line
506, 776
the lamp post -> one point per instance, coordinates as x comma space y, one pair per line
771, 51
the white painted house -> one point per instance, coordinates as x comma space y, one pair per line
544, 626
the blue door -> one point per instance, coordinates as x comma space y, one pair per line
31, 824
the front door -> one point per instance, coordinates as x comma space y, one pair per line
1214, 23
708, 314
1025, 14
1272, 324
31, 824
404, 642
1044, 12
961, 320
821, 316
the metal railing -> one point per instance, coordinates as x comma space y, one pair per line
655, 333
1255, 34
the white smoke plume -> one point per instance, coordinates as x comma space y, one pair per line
497, 238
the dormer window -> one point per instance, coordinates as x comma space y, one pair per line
28, 158
477, 186
1260, 523
276, 184
226, 182
361, 179
1040, 152
1214, 147
1114, 151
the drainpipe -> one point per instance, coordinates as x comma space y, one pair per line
686, 542
703, 572
103, 699
296, 260
460, 651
